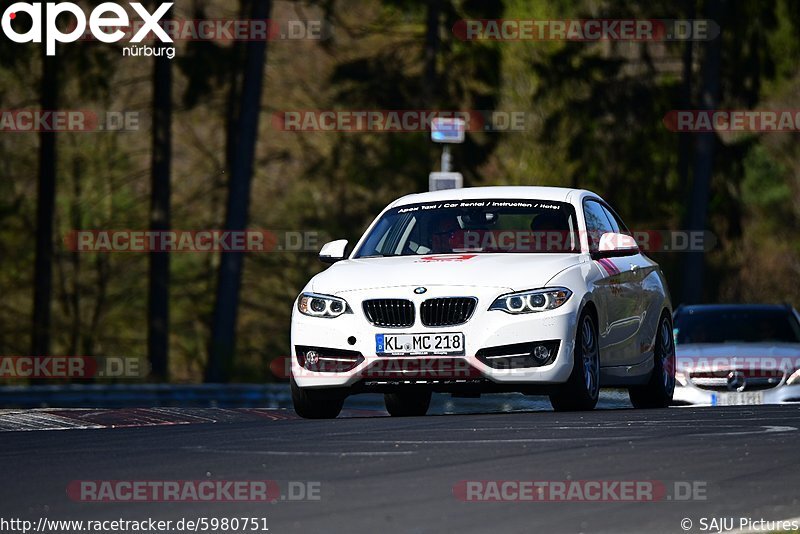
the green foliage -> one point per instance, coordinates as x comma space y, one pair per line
764, 187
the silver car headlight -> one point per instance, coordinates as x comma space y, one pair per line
535, 300
327, 306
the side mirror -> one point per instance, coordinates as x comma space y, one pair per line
614, 245
333, 251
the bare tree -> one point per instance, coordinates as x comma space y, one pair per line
703, 165
223, 327
432, 41
158, 300
45, 211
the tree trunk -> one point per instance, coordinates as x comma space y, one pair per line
223, 327
685, 138
158, 298
703, 166
45, 210
238, 50
431, 52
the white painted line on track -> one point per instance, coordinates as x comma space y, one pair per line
769, 429
300, 453
584, 428
480, 441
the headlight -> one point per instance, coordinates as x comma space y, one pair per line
321, 305
535, 300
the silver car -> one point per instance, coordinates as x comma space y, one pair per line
734, 354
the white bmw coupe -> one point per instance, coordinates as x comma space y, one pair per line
537, 290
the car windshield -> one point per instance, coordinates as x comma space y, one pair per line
474, 226
745, 325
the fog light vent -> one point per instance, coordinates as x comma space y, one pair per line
520, 355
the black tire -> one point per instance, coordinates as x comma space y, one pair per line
407, 403
582, 388
658, 391
316, 403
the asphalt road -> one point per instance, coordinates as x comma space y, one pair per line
381, 474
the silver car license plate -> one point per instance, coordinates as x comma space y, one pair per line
743, 398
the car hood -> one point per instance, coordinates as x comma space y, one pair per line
696, 356
509, 271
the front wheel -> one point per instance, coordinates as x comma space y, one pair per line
657, 393
316, 403
582, 388
407, 403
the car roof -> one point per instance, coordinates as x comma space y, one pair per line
555, 194
712, 308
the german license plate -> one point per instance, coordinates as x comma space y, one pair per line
738, 399
396, 344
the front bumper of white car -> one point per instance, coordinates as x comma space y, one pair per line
688, 393
348, 342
